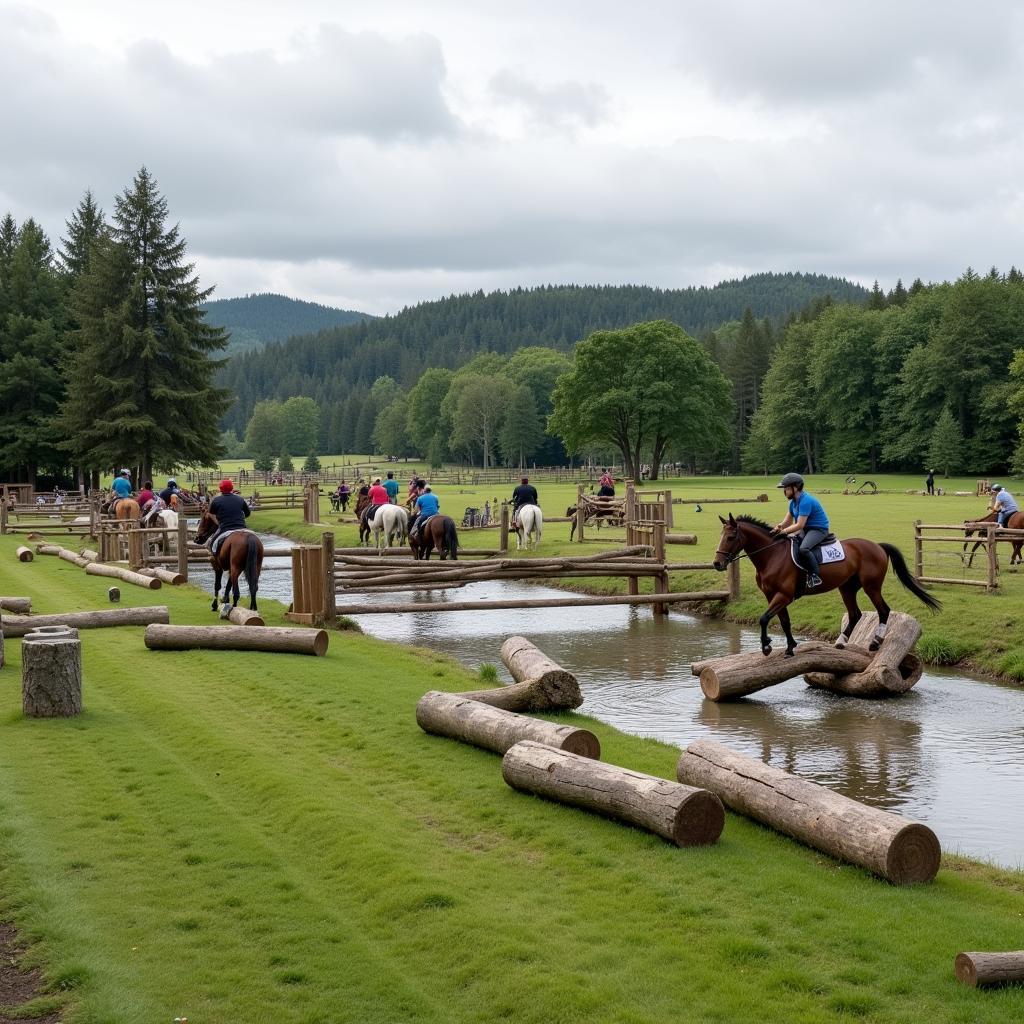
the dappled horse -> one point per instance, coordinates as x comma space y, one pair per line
438, 532
530, 524
241, 551
1015, 522
390, 523
865, 565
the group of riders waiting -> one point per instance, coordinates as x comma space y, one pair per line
150, 502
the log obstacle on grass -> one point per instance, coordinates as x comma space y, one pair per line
853, 670
899, 850
19, 626
269, 639
24, 554
19, 605
983, 970
540, 684
245, 617
460, 717
124, 575
51, 673
680, 813
174, 579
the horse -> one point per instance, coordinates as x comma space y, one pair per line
241, 552
1015, 522
362, 504
127, 510
530, 524
390, 522
780, 581
599, 510
439, 532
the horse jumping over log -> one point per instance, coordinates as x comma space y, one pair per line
598, 510
241, 552
865, 565
529, 526
1015, 522
438, 532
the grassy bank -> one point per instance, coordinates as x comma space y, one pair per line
974, 629
242, 837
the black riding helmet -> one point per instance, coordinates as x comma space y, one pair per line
791, 480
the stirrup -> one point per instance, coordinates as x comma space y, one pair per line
813, 580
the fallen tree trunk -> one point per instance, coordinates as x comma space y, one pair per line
15, 626
24, 554
175, 579
20, 605
124, 575
271, 639
580, 601
679, 813
51, 675
460, 717
66, 554
901, 851
541, 684
245, 617
981, 970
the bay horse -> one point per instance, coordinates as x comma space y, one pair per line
531, 523
241, 552
865, 565
1015, 522
362, 504
439, 532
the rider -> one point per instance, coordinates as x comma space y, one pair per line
170, 490
146, 495
427, 505
606, 485
231, 510
391, 486
805, 519
1003, 503
343, 493
122, 485
524, 494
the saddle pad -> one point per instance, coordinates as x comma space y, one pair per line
221, 537
831, 551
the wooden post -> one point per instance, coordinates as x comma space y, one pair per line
503, 540
327, 570
136, 547
579, 514
667, 498
918, 550
734, 580
297, 606
183, 546
990, 537
661, 580
3, 512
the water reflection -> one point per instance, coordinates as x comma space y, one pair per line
950, 752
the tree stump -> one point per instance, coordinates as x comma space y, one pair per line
461, 718
51, 674
24, 554
986, 969
899, 850
681, 814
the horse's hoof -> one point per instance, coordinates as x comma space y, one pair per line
840, 646
225, 610
766, 650
789, 653
875, 644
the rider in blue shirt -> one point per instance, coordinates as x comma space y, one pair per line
122, 485
805, 519
427, 505
1003, 503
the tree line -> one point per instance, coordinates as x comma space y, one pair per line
106, 359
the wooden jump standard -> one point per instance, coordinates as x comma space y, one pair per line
899, 850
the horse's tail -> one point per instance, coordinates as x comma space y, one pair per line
903, 574
451, 538
252, 564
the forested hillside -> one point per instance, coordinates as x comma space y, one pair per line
254, 320
449, 332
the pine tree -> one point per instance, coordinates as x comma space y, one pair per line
84, 228
140, 386
898, 296
947, 443
285, 464
312, 463
876, 300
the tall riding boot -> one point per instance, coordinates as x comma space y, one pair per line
811, 562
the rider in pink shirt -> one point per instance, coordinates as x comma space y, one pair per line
378, 495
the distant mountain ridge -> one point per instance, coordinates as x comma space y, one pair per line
255, 320
449, 332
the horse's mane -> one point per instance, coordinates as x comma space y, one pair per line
754, 521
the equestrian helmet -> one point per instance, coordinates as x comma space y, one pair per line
171, 482
226, 487
791, 480
996, 487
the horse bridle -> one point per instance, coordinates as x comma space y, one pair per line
729, 559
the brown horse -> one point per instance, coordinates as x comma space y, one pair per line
865, 565
362, 504
241, 552
439, 532
1015, 522
127, 510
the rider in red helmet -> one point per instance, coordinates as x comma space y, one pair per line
231, 510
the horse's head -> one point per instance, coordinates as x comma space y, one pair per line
729, 544
207, 524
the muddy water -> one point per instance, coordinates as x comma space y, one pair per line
949, 753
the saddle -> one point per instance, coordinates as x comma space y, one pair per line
219, 538
829, 550
418, 525
369, 512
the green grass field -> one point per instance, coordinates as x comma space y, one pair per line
270, 838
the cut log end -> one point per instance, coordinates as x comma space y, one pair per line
709, 684
25, 554
982, 970
913, 856
699, 820
965, 970
584, 743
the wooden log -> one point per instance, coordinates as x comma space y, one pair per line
680, 538
272, 639
737, 675
899, 850
92, 556
20, 625
19, 605
554, 602
892, 670
540, 683
175, 579
245, 617
679, 813
124, 575
24, 554
51, 675
461, 718
982, 970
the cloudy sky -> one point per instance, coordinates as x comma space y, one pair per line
372, 156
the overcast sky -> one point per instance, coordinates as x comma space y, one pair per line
373, 155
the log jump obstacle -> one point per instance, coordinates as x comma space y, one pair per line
984, 970
901, 851
273, 639
852, 670
932, 552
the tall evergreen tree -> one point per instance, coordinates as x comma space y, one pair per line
84, 228
946, 450
140, 388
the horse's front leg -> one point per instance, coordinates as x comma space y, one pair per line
225, 607
217, 576
775, 605
788, 630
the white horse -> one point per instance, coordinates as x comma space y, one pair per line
531, 523
391, 522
